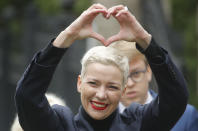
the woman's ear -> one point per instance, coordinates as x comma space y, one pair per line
79, 83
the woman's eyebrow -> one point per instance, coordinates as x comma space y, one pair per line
92, 79
114, 83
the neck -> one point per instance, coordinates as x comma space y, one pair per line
99, 124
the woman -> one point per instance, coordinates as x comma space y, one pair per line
101, 83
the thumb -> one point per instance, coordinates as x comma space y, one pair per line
113, 39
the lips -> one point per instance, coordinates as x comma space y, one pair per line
98, 105
131, 94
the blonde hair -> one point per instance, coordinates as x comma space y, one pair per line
129, 50
52, 99
106, 56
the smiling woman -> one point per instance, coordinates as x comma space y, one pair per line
103, 77
101, 82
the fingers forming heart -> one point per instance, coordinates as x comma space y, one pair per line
130, 29
116, 12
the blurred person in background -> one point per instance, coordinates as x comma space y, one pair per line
138, 87
102, 81
52, 98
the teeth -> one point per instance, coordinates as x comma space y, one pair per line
98, 105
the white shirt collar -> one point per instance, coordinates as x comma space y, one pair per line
121, 107
148, 100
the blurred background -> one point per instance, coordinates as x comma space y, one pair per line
28, 25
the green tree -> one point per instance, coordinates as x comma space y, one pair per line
184, 20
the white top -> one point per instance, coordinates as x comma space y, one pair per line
148, 100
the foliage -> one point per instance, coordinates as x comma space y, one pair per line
81, 5
45, 6
4, 3
48, 6
184, 20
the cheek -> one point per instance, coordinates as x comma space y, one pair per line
85, 96
143, 87
115, 97
139, 86
87, 92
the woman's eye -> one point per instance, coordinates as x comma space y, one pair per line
113, 87
92, 83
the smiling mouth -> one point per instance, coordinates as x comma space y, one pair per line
98, 105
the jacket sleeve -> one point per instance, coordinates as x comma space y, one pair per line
188, 121
193, 120
34, 111
166, 109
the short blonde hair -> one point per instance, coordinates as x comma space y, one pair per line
52, 99
106, 56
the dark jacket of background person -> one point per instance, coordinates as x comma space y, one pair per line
35, 113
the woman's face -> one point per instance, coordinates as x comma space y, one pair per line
101, 90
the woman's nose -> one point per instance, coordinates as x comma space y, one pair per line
101, 93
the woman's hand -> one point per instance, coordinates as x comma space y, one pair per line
82, 27
130, 28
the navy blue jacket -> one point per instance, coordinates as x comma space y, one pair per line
35, 113
188, 121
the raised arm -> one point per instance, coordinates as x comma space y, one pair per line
164, 111
81, 28
130, 28
34, 111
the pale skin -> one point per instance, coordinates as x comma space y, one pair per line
81, 28
99, 95
130, 28
100, 90
137, 91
